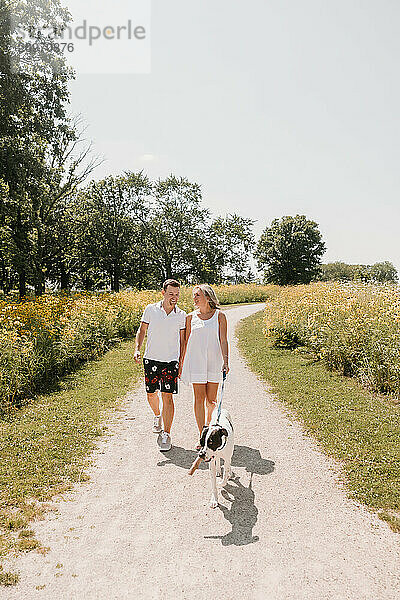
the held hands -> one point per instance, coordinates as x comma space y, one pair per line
180, 369
226, 367
136, 356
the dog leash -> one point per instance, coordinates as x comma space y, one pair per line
220, 398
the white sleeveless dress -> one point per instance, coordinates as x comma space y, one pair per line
203, 359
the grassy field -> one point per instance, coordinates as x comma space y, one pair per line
354, 328
45, 445
359, 428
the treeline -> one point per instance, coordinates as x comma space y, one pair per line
127, 231
58, 231
339, 271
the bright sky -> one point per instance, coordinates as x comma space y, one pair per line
275, 107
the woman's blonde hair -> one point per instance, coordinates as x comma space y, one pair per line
209, 294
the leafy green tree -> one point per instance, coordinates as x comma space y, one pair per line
289, 251
63, 245
109, 226
160, 231
337, 271
232, 240
37, 137
68, 166
383, 272
175, 224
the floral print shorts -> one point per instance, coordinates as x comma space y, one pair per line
161, 376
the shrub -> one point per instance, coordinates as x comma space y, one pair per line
353, 328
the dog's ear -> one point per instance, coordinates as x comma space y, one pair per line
215, 440
203, 435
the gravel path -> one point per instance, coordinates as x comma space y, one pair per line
142, 527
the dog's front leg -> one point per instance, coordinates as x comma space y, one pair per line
214, 493
218, 464
227, 470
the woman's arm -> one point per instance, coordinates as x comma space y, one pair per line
185, 333
223, 340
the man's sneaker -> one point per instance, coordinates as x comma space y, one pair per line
157, 424
164, 441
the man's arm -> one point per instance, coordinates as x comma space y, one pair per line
141, 332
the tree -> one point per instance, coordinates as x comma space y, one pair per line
7, 250
67, 167
337, 271
176, 226
39, 158
63, 243
290, 250
383, 272
232, 241
109, 227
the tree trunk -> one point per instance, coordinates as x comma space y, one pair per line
64, 277
22, 283
4, 278
87, 284
168, 269
39, 283
39, 272
116, 285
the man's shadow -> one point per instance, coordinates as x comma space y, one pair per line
242, 513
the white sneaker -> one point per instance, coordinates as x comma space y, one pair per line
164, 441
157, 425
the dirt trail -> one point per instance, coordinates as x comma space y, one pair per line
142, 527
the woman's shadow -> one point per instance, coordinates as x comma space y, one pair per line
242, 513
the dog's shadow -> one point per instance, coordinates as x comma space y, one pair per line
242, 513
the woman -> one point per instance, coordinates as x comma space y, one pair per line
206, 352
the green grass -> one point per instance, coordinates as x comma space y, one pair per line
354, 426
7, 578
44, 446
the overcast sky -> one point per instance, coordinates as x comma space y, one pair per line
276, 107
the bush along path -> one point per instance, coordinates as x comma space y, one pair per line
284, 527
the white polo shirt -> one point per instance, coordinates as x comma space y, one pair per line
163, 332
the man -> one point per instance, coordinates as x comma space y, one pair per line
164, 323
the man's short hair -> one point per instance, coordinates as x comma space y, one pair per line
171, 282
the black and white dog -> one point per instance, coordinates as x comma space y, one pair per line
217, 442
